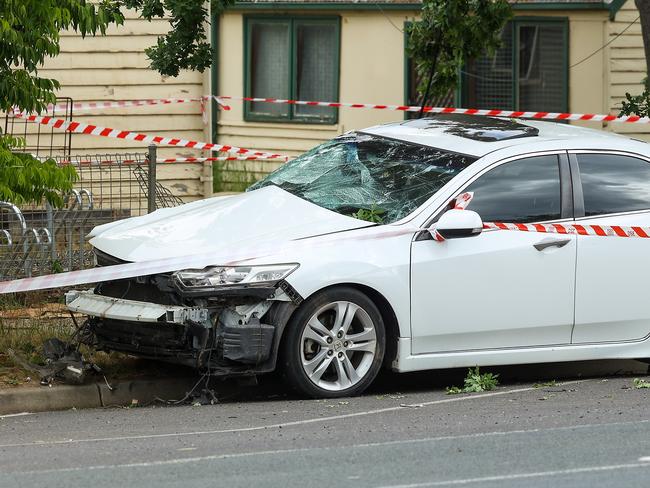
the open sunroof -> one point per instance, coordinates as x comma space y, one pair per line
476, 127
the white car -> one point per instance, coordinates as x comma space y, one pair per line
339, 274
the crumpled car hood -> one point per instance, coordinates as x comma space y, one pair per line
264, 216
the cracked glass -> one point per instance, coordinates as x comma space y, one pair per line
360, 173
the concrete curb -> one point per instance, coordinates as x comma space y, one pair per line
94, 395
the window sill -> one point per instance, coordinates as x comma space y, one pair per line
274, 120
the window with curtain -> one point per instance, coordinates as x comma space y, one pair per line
529, 71
292, 58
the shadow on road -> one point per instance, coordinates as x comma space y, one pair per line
272, 387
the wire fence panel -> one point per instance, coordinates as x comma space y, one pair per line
43, 141
38, 239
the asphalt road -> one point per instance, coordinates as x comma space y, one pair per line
580, 431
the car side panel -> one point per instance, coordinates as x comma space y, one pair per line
612, 301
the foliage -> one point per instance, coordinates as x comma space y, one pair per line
637, 104
450, 33
374, 214
475, 381
546, 384
24, 179
185, 46
30, 32
228, 177
640, 383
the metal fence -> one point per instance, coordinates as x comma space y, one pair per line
39, 239
40, 140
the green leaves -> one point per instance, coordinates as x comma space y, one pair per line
373, 214
24, 179
30, 30
475, 382
186, 45
29, 33
637, 104
450, 33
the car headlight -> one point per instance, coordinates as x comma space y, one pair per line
224, 276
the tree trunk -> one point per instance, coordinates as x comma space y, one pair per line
644, 12
432, 73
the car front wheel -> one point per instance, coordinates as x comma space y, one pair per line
335, 344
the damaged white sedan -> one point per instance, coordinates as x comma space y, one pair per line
339, 275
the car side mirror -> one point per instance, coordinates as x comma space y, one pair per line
455, 224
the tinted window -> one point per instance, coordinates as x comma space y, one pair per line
613, 183
527, 190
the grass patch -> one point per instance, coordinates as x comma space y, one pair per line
226, 178
475, 382
640, 383
26, 338
25, 329
546, 384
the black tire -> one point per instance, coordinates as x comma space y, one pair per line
296, 348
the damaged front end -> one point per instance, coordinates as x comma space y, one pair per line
227, 320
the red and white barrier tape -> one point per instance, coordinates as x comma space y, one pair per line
89, 106
451, 110
144, 268
583, 230
90, 129
96, 162
203, 160
460, 203
105, 105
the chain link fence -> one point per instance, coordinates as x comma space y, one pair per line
38, 239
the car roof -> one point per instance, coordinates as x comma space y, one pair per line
478, 135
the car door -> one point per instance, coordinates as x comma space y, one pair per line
500, 289
611, 274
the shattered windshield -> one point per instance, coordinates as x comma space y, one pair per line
368, 177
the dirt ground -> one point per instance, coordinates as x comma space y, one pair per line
27, 321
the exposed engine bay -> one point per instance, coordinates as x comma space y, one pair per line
228, 330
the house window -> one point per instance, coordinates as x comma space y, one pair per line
529, 71
294, 58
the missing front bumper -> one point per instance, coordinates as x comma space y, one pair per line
89, 303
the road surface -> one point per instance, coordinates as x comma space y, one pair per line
592, 432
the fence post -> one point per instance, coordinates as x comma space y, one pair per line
151, 178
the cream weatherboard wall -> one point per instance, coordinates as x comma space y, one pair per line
371, 70
626, 66
115, 67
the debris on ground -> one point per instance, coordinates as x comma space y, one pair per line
63, 361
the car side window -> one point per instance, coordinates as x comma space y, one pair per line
613, 183
522, 191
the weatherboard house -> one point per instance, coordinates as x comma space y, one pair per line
577, 56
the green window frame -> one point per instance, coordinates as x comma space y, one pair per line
514, 30
284, 113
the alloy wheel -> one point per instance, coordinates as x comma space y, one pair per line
338, 346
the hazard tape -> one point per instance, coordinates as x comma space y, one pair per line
89, 106
216, 158
95, 130
460, 203
578, 229
95, 162
104, 105
200, 261
451, 110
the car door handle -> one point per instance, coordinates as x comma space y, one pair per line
546, 243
